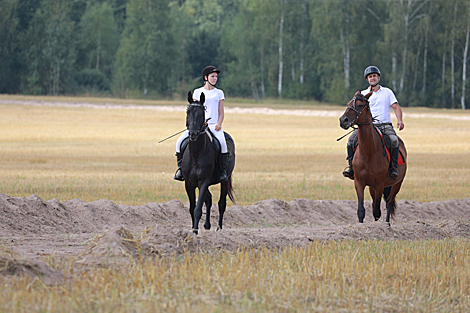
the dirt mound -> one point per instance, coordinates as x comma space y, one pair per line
11, 264
104, 233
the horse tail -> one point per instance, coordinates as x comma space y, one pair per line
231, 193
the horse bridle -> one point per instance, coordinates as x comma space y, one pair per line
204, 125
355, 122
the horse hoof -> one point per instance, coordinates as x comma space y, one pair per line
195, 231
361, 220
219, 228
207, 227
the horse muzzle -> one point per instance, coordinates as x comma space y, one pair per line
193, 136
344, 122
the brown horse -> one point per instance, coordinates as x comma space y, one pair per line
370, 165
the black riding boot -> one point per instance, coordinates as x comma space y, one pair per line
394, 163
349, 173
179, 161
223, 167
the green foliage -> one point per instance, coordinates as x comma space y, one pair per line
99, 37
92, 79
51, 53
142, 60
8, 24
161, 46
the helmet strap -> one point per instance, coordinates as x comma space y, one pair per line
207, 80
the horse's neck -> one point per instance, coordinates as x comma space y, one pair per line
199, 146
368, 139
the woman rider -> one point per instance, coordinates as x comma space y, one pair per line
214, 104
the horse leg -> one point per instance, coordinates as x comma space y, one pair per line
376, 200
208, 202
361, 211
222, 202
391, 204
198, 209
191, 192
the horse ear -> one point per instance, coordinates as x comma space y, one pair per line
190, 97
368, 95
202, 98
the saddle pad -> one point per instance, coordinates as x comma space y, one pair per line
215, 144
401, 159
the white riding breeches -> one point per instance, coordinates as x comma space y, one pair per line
218, 134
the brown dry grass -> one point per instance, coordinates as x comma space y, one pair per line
91, 154
348, 276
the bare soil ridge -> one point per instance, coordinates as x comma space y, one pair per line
32, 227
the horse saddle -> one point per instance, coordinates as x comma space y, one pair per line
387, 146
215, 143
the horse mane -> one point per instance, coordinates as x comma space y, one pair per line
360, 97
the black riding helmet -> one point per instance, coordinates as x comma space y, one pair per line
371, 70
208, 70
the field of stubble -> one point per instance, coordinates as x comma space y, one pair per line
64, 157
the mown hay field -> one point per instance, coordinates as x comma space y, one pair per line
347, 276
90, 153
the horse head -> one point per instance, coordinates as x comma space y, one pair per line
357, 111
195, 116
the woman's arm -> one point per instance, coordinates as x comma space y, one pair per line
221, 115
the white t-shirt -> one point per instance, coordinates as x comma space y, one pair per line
380, 104
212, 102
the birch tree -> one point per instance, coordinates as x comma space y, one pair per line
99, 36
281, 61
411, 11
146, 56
52, 52
464, 61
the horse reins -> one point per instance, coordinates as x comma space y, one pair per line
355, 122
204, 125
359, 112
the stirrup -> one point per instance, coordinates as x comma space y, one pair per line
348, 173
178, 175
393, 173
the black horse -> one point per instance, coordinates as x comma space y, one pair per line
200, 166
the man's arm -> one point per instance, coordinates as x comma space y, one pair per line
399, 114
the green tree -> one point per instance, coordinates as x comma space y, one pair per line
52, 51
8, 25
147, 52
347, 36
99, 37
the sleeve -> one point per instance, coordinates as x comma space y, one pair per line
197, 94
393, 99
221, 95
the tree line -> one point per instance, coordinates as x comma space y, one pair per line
290, 49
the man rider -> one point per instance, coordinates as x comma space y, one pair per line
380, 102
